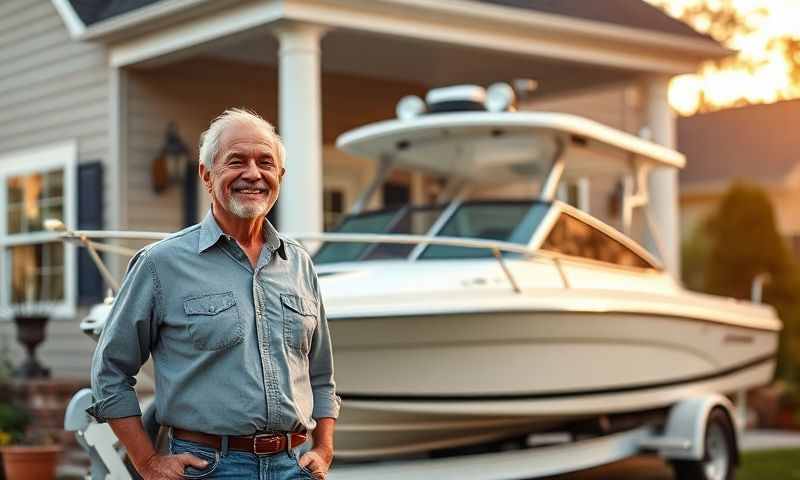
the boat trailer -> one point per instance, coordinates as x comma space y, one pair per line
684, 438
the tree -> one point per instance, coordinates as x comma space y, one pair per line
744, 242
766, 65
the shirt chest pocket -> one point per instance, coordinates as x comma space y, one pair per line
213, 321
299, 321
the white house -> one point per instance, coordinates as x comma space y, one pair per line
88, 89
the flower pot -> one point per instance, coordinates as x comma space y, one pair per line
30, 463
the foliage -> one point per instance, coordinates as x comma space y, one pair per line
719, 18
744, 242
766, 50
694, 252
14, 422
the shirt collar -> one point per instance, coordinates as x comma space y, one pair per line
210, 232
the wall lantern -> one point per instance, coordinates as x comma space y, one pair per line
175, 166
172, 164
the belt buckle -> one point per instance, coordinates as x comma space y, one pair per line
271, 444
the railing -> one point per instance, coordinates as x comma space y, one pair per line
87, 237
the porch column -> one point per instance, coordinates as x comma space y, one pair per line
300, 125
663, 182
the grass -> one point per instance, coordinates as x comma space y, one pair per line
781, 464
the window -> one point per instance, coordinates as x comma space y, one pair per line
35, 186
573, 237
508, 221
406, 220
332, 207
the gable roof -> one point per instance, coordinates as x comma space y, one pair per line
751, 142
92, 11
628, 13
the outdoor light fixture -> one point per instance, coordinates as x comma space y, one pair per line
175, 166
171, 166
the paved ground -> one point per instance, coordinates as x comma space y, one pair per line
654, 468
753, 440
638, 468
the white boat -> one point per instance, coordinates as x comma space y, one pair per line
475, 321
471, 321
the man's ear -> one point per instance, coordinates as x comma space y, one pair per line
205, 175
283, 171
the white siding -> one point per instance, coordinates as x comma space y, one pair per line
618, 106
192, 92
52, 88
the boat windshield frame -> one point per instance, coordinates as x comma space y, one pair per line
536, 210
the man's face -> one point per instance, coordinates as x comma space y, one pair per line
246, 174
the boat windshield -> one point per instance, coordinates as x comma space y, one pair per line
509, 221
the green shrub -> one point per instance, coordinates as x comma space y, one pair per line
744, 242
14, 422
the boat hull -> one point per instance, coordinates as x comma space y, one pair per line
417, 383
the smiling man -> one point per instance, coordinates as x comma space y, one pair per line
231, 313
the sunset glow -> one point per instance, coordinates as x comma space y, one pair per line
765, 69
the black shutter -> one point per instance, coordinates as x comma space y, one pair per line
90, 217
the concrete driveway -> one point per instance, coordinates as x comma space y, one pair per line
637, 468
654, 468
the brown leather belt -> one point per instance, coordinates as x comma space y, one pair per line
259, 444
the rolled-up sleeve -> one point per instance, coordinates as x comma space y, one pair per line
326, 403
125, 343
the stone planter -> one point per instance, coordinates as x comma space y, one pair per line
30, 462
31, 331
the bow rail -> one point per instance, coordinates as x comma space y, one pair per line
497, 248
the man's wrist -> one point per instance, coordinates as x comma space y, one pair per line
325, 452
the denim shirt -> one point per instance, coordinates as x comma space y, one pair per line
236, 349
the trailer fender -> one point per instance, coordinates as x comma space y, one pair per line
684, 431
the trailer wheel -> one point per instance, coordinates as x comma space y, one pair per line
719, 459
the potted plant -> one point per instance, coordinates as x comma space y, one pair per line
6, 370
26, 454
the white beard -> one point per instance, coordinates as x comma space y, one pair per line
247, 211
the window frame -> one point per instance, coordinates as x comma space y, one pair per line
56, 156
561, 208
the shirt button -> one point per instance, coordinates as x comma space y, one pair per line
212, 309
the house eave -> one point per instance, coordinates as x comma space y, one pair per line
573, 26
481, 25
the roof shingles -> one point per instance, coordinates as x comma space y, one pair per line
753, 142
92, 11
629, 13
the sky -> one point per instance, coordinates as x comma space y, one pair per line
766, 67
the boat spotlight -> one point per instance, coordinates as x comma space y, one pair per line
409, 107
500, 97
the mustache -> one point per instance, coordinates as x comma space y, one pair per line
246, 185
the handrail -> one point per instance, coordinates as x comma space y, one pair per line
494, 246
329, 237
413, 240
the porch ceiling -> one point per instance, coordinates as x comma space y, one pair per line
426, 63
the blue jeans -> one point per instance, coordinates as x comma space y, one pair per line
242, 465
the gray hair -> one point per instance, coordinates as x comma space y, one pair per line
209, 140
